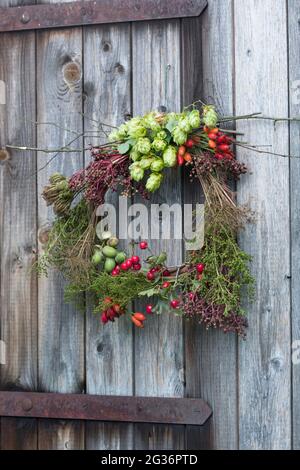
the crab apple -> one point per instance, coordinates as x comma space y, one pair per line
137, 267
166, 273
129, 263
143, 245
149, 309
150, 276
200, 268
124, 266
135, 259
104, 318
166, 284
114, 273
174, 303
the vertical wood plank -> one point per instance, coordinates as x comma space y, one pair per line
264, 359
294, 95
211, 355
18, 230
109, 361
159, 357
61, 327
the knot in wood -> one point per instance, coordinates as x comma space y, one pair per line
72, 72
43, 235
4, 155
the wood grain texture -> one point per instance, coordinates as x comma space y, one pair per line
294, 102
60, 435
159, 358
211, 355
109, 353
18, 285
264, 359
61, 327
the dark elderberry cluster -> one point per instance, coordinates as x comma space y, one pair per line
207, 163
108, 170
212, 316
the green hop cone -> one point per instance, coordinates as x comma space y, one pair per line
150, 122
161, 135
154, 182
136, 172
143, 146
157, 165
194, 119
179, 136
184, 124
135, 129
159, 145
118, 134
135, 155
173, 116
210, 117
145, 163
170, 156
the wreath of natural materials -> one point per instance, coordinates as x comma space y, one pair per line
209, 285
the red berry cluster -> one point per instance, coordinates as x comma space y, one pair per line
113, 311
220, 143
129, 263
183, 155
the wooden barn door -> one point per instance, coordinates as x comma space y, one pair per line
73, 78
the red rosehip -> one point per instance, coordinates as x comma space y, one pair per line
104, 318
149, 309
137, 267
129, 263
110, 313
143, 245
180, 160
174, 303
135, 259
166, 284
124, 266
166, 273
189, 143
224, 148
200, 268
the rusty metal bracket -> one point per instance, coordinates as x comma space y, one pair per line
193, 411
61, 15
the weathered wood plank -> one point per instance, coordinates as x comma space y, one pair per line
109, 356
264, 359
61, 327
60, 435
159, 358
211, 355
294, 102
18, 230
